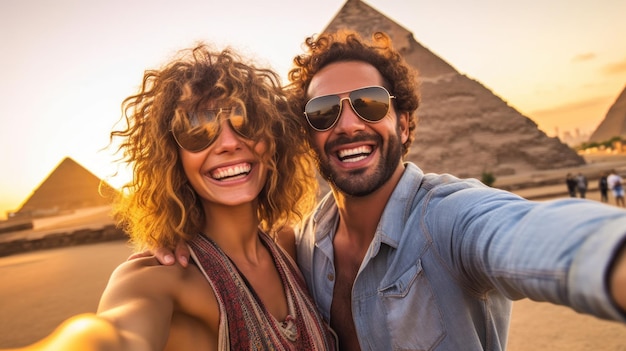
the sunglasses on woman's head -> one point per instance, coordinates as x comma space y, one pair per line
371, 104
202, 127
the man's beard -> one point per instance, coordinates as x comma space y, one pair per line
357, 183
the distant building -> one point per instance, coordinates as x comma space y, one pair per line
67, 188
614, 123
463, 127
576, 139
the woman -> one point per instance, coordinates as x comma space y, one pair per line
218, 162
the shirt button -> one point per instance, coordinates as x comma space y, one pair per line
331, 277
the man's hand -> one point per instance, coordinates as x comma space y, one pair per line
165, 256
618, 279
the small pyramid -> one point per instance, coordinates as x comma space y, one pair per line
68, 187
463, 127
614, 123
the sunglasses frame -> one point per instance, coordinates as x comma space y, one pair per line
217, 121
349, 98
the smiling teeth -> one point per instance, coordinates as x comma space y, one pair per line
355, 154
228, 172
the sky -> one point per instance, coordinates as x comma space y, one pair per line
66, 65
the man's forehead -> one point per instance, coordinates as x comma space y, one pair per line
339, 77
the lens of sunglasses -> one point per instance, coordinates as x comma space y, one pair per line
202, 127
370, 104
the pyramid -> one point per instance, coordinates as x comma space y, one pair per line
68, 187
463, 127
614, 123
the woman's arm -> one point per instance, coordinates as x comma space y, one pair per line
85, 332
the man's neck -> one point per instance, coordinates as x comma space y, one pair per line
359, 216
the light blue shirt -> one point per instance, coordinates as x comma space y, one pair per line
449, 255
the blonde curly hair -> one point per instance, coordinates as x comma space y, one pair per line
158, 207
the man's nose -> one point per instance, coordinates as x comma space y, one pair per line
349, 121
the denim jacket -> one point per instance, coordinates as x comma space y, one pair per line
449, 255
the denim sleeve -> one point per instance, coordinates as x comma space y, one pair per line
556, 251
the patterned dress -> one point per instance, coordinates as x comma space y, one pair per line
245, 324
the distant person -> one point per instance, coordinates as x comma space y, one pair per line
603, 186
570, 182
615, 184
218, 163
581, 185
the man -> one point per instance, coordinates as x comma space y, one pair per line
603, 186
397, 259
570, 181
401, 260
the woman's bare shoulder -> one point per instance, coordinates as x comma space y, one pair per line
148, 273
143, 268
146, 281
141, 278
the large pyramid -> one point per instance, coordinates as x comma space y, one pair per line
614, 123
463, 127
68, 187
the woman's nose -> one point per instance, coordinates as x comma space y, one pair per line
227, 137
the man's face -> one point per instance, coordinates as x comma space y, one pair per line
356, 156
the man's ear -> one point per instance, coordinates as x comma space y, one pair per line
403, 124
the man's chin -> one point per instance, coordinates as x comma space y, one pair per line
352, 188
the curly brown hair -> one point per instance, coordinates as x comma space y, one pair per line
345, 45
158, 207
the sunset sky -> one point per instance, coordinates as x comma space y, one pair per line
67, 64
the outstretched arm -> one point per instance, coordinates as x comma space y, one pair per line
85, 332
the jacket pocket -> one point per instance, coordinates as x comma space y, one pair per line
413, 317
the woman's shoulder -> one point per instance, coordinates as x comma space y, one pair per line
146, 278
148, 272
142, 265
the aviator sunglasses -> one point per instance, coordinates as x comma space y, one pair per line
371, 104
198, 130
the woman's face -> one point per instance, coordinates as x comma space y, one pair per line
227, 172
